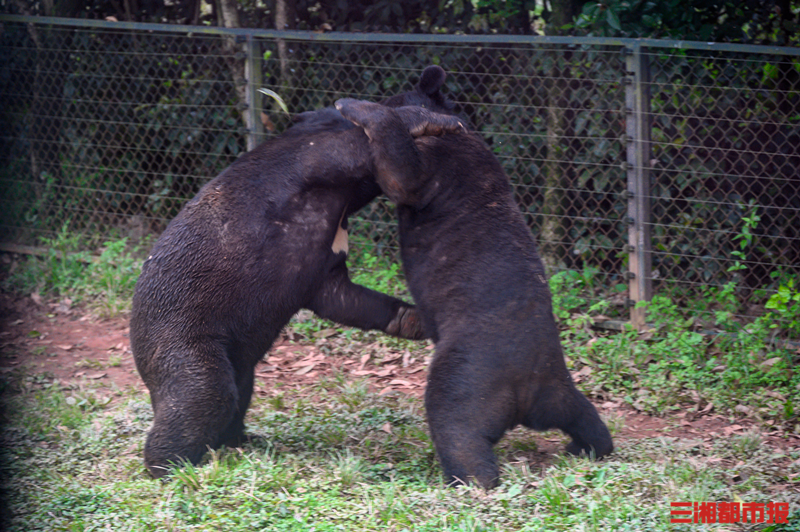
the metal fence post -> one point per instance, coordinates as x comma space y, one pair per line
254, 80
637, 119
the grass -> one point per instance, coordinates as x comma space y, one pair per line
323, 462
338, 457
103, 280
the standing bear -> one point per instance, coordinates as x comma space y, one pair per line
479, 285
259, 242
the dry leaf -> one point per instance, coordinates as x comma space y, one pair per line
324, 333
387, 428
303, 371
96, 375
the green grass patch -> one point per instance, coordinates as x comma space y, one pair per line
324, 462
741, 369
103, 280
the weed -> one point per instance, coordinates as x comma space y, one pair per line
106, 281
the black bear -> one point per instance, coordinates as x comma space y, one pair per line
259, 242
473, 269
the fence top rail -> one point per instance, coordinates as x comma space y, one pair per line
409, 38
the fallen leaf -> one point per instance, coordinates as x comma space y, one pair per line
581, 373
36, 298
363, 372
730, 430
771, 361
16, 322
95, 376
65, 347
324, 333
391, 359
387, 428
303, 371
364, 360
386, 390
401, 382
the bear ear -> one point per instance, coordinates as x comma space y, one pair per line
432, 80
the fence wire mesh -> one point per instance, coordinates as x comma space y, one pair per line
726, 153
111, 131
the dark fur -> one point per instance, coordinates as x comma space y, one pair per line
250, 250
480, 287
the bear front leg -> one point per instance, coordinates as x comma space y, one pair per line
391, 133
345, 302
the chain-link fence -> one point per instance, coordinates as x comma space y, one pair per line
639, 165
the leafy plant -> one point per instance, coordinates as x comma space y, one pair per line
68, 270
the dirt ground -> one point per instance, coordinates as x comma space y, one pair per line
58, 340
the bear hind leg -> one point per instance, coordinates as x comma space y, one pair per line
578, 418
234, 434
194, 408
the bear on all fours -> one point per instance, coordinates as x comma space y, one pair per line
473, 269
259, 242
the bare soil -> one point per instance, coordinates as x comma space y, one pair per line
55, 340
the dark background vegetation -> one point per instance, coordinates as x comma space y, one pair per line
109, 132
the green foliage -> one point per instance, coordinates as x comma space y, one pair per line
784, 307
105, 282
674, 364
376, 272
745, 237
578, 296
700, 20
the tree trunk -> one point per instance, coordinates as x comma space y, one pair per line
285, 16
553, 246
228, 17
52, 65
